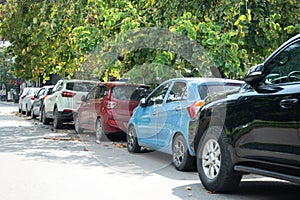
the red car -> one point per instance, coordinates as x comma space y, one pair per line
108, 107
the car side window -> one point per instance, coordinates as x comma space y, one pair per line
158, 95
91, 94
101, 92
58, 87
41, 92
178, 92
285, 67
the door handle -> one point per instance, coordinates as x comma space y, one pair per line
288, 103
178, 108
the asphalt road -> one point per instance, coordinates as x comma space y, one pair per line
38, 162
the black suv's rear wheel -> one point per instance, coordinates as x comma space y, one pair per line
214, 163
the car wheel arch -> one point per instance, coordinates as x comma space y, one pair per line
205, 124
187, 161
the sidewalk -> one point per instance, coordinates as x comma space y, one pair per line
9, 103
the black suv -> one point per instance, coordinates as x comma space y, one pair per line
255, 129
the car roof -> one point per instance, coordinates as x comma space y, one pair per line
30, 88
116, 83
78, 80
207, 80
48, 86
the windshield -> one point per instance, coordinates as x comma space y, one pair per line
129, 92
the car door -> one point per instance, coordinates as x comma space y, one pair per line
98, 108
52, 99
269, 114
148, 124
85, 109
169, 117
37, 100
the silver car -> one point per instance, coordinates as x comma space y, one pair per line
38, 101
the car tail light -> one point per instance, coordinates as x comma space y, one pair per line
194, 108
68, 94
44, 97
22, 97
67, 111
112, 122
111, 104
32, 98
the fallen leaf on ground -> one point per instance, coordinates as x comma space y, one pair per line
60, 138
85, 149
120, 145
188, 188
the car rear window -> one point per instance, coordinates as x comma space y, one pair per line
80, 86
129, 92
206, 90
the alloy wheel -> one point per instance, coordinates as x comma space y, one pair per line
211, 159
178, 154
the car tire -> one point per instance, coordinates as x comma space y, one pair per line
20, 110
132, 143
27, 112
45, 120
100, 134
57, 122
214, 164
41, 115
32, 115
78, 129
182, 160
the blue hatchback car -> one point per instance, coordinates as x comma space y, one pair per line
161, 121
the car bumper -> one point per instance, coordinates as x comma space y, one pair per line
66, 115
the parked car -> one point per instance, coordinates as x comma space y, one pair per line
38, 101
256, 129
108, 107
161, 121
64, 101
26, 100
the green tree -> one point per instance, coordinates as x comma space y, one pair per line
58, 36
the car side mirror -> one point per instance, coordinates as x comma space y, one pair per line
83, 98
143, 102
254, 75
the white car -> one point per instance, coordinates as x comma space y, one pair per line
64, 101
26, 100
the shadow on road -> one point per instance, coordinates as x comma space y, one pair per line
256, 189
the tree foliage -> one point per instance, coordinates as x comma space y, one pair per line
58, 36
